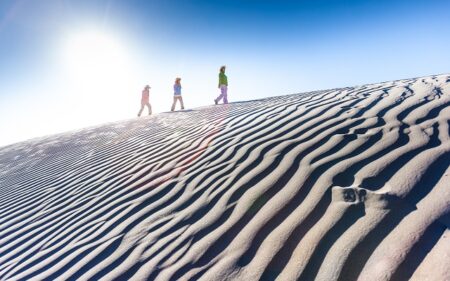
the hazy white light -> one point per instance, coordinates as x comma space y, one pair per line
94, 58
100, 76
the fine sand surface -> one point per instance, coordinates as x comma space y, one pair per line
342, 184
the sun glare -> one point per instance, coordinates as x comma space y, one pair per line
99, 71
94, 57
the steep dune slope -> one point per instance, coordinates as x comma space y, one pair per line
342, 184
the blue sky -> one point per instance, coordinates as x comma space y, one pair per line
67, 64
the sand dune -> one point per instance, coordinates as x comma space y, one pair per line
342, 184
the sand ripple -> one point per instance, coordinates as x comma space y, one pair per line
343, 184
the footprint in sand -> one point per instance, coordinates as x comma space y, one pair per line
370, 199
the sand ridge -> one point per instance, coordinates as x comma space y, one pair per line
341, 184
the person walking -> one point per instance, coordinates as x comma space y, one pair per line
223, 86
145, 100
177, 94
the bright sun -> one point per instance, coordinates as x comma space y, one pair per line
94, 57
99, 71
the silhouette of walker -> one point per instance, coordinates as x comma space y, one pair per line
223, 86
145, 101
177, 94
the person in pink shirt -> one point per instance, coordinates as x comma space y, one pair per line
145, 101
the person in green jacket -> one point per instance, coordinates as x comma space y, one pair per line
223, 86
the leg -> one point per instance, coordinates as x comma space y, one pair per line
140, 111
225, 94
174, 103
220, 96
149, 108
181, 101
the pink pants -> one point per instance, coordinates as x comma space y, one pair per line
143, 104
223, 94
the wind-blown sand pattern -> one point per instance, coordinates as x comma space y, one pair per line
342, 184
